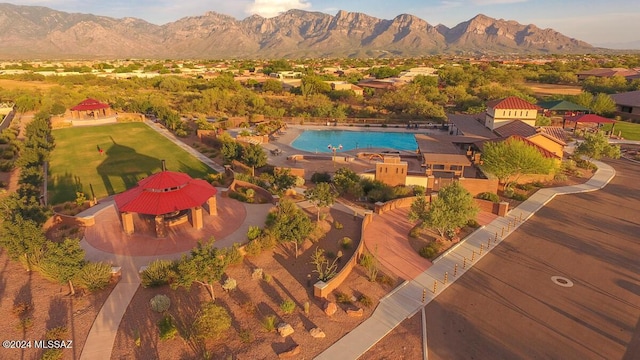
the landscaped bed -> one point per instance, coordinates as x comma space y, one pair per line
284, 277
111, 159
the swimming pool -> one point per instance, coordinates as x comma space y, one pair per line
321, 140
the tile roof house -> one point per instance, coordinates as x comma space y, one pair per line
607, 72
501, 112
628, 104
548, 138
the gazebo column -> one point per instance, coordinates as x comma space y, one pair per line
213, 205
196, 217
161, 228
127, 223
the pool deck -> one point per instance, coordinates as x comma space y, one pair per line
284, 141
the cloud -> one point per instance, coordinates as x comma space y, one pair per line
271, 8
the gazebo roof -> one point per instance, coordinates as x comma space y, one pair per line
90, 104
561, 105
589, 118
163, 193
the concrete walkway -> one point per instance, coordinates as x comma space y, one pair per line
169, 135
406, 300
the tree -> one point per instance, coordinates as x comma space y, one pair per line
347, 181
512, 158
289, 224
451, 209
272, 85
22, 238
596, 146
63, 261
254, 156
603, 104
282, 180
205, 265
322, 195
419, 209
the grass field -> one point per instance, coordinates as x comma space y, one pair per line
131, 151
630, 131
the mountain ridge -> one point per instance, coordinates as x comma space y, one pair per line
36, 31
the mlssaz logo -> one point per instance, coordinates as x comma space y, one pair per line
53, 344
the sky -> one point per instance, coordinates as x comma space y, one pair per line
596, 22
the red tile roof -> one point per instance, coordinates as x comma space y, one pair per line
589, 118
556, 133
512, 102
163, 193
516, 127
90, 104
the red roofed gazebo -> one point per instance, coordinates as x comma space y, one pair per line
171, 197
589, 118
90, 109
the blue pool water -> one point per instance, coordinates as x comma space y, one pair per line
319, 140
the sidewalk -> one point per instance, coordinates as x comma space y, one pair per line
406, 300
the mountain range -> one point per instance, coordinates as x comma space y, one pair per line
29, 32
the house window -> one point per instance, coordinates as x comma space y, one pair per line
509, 113
396, 171
626, 109
527, 114
520, 113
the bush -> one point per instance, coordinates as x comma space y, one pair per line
346, 243
519, 197
238, 196
419, 190
370, 263
317, 178
473, 223
257, 274
288, 306
365, 301
158, 273
94, 276
212, 320
160, 303
57, 333
6, 165
269, 323
253, 232
232, 254
415, 232
338, 225
489, 196
343, 298
52, 354
246, 336
254, 247
430, 251
167, 328
230, 284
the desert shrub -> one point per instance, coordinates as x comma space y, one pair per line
246, 336
508, 192
519, 197
22, 309
343, 298
525, 187
6, 165
402, 191
493, 197
370, 263
232, 254
385, 280
238, 196
158, 273
57, 333
338, 225
346, 243
287, 306
430, 251
560, 176
419, 190
230, 284
254, 247
267, 278
473, 223
269, 323
317, 178
212, 320
257, 273
253, 232
167, 327
306, 307
94, 276
160, 303
365, 301
415, 232
52, 354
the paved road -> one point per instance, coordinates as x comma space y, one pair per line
507, 307
409, 298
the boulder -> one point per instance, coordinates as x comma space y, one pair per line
317, 333
330, 308
355, 313
292, 352
285, 330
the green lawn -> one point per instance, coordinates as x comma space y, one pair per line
630, 131
131, 151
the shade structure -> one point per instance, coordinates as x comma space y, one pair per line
561, 105
589, 118
90, 104
165, 192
